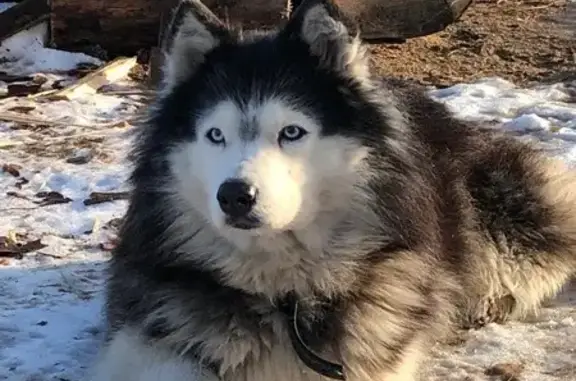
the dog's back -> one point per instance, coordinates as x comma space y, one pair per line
508, 211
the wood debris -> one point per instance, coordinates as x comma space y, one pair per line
89, 84
21, 182
22, 109
101, 197
17, 195
51, 198
18, 118
11, 246
23, 89
8, 78
12, 169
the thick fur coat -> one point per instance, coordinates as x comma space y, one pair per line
387, 222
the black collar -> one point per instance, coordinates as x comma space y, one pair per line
289, 307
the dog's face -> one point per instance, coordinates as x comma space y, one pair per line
261, 165
265, 129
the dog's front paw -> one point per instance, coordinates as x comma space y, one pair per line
491, 310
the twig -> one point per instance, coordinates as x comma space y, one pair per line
128, 92
50, 255
51, 198
12, 117
101, 197
17, 195
18, 208
9, 144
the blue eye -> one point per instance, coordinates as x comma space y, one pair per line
215, 136
291, 133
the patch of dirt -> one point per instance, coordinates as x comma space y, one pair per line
514, 39
506, 371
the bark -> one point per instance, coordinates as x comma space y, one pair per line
120, 27
123, 27
401, 19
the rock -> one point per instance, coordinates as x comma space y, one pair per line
80, 156
506, 371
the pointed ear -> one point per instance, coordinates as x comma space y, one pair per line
192, 33
320, 25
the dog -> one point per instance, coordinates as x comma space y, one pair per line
294, 217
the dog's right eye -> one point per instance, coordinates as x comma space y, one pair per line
291, 133
215, 136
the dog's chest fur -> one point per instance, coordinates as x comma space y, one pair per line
269, 352
239, 335
273, 359
278, 363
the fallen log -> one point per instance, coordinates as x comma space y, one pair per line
119, 27
23, 15
399, 20
378, 20
123, 27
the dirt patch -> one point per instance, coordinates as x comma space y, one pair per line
516, 40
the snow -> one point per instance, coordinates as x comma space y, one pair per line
25, 53
51, 299
4, 6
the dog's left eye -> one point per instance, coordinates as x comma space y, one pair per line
215, 136
291, 133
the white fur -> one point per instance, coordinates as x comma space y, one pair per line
307, 190
128, 358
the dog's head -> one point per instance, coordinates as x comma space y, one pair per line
267, 132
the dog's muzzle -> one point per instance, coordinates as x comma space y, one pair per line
237, 199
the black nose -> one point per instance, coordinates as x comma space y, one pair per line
236, 197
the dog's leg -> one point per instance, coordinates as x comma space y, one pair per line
128, 358
523, 286
536, 257
491, 309
392, 321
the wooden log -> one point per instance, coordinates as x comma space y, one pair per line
119, 27
397, 20
250, 13
22, 16
378, 20
123, 27
245, 13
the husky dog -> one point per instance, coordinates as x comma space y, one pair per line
296, 218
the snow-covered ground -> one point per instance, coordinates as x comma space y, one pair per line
51, 300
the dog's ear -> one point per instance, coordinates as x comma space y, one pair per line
319, 24
192, 33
